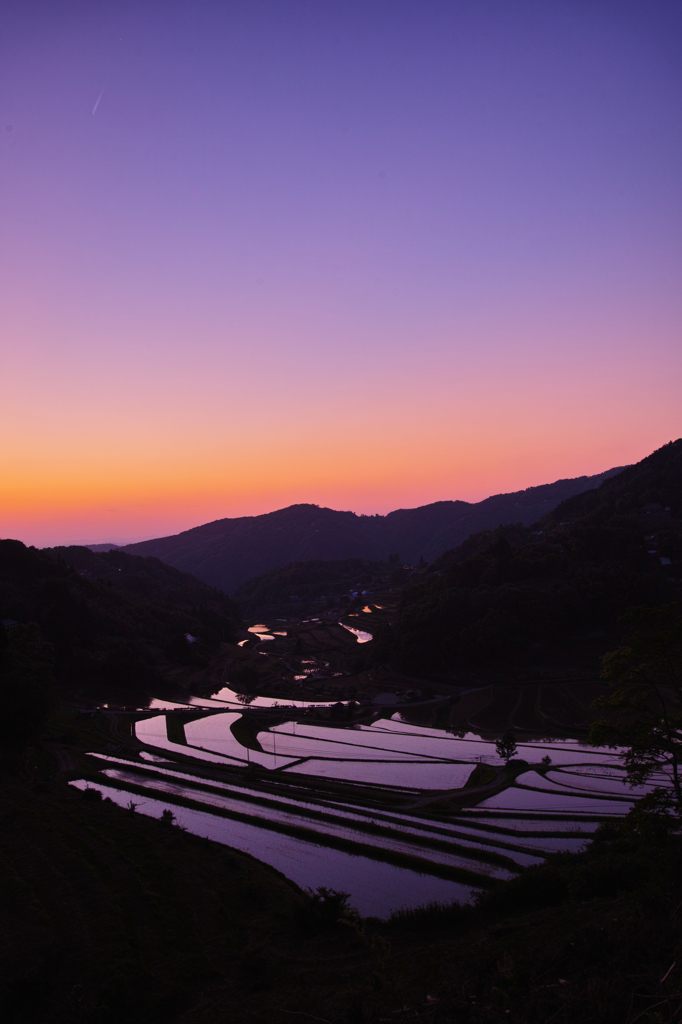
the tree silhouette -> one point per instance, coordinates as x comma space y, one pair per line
645, 703
506, 746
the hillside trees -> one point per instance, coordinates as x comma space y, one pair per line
644, 707
111, 619
506, 746
27, 684
523, 588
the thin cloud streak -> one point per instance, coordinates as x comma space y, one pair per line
97, 103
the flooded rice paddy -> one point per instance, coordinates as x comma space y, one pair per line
377, 887
399, 799
377, 808
362, 635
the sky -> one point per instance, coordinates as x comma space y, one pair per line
363, 254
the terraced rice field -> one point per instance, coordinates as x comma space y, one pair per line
376, 809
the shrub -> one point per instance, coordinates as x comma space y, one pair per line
325, 908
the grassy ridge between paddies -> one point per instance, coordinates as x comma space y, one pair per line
109, 915
396, 857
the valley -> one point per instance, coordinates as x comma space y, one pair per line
370, 781
369, 784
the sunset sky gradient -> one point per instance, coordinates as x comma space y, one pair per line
364, 254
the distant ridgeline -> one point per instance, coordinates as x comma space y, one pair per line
229, 551
107, 619
515, 593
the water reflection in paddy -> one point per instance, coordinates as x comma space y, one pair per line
460, 830
362, 635
210, 738
599, 784
471, 747
356, 742
517, 798
536, 780
564, 804
153, 731
376, 888
407, 775
404, 754
331, 828
229, 696
166, 705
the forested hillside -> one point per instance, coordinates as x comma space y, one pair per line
656, 480
301, 586
515, 594
229, 551
108, 621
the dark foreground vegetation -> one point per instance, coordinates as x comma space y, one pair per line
110, 916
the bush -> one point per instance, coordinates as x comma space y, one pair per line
326, 907
604, 871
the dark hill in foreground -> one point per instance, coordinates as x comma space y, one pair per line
227, 552
110, 916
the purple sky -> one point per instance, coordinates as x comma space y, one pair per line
367, 254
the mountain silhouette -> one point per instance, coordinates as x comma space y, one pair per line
227, 552
539, 600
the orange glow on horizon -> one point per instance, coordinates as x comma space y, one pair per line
343, 258
125, 500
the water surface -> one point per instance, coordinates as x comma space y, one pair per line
377, 889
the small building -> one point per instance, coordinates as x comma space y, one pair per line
654, 508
